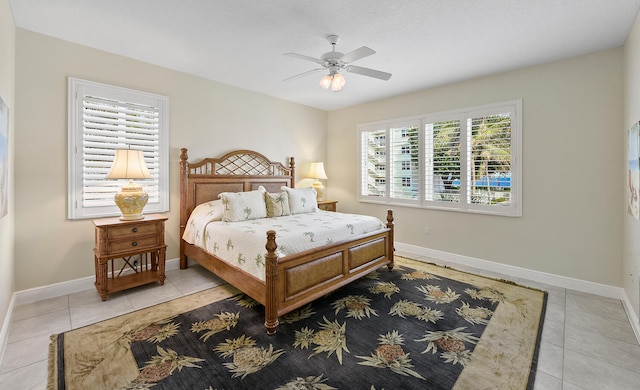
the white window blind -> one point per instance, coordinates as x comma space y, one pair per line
404, 154
103, 119
442, 161
390, 163
489, 156
462, 160
373, 159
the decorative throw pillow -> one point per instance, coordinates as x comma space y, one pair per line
242, 206
277, 204
301, 200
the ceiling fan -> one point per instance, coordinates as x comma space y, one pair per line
335, 61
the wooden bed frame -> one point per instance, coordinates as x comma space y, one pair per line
290, 281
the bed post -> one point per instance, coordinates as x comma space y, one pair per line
184, 187
271, 303
292, 166
391, 247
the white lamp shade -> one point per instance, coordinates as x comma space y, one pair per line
129, 164
316, 171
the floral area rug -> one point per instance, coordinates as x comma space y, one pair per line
418, 327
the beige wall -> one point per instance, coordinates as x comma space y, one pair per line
572, 152
207, 117
7, 74
631, 250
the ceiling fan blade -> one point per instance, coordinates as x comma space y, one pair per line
357, 54
303, 74
368, 72
306, 58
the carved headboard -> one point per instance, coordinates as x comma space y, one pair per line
237, 171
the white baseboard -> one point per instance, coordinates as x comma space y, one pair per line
536, 276
69, 287
4, 332
633, 316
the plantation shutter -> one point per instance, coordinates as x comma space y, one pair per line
442, 155
404, 162
373, 159
463, 160
108, 125
102, 119
489, 179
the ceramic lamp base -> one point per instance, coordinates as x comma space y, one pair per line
317, 185
131, 201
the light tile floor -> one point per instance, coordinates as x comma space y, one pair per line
587, 340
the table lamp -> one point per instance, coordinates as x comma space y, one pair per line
316, 172
129, 164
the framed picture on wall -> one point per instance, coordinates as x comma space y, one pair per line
633, 170
4, 158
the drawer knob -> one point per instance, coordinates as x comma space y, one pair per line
134, 230
134, 243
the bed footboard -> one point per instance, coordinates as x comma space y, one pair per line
296, 280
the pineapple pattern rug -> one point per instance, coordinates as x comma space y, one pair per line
418, 327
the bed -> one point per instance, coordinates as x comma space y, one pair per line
289, 280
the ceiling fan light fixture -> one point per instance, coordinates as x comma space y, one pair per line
337, 83
326, 81
335, 61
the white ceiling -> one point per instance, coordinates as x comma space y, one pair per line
423, 43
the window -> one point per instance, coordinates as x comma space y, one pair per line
104, 118
462, 160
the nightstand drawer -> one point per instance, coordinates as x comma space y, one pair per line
116, 246
116, 232
327, 205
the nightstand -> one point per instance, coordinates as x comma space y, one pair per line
327, 205
129, 253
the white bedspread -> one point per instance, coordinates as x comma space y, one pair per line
242, 244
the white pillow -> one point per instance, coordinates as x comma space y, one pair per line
301, 200
242, 206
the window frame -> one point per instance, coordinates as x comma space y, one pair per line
77, 90
513, 209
